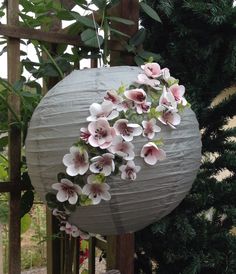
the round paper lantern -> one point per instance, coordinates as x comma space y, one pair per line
158, 189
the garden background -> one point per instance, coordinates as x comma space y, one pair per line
197, 41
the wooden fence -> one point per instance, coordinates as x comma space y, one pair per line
120, 249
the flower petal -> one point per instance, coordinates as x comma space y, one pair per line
73, 198
62, 196
106, 196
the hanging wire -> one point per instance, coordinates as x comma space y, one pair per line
97, 36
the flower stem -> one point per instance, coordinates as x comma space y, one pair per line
53, 61
10, 109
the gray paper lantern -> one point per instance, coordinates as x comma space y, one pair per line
158, 189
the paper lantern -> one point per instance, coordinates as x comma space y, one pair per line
158, 189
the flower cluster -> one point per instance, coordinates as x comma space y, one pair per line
105, 146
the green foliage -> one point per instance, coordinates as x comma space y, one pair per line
150, 11
25, 223
197, 42
27, 200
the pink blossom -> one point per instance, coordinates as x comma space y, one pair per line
112, 96
151, 153
62, 215
152, 70
67, 191
104, 110
143, 107
125, 105
144, 80
165, 73
137, 95
167, 100
170, 117
103, 164
122, 148
74, 231
84, 134
150, 128
128, 171
127, 130
77, 161
95, 190
178, 93
101, 133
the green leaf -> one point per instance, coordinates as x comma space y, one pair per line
139, 61
138, 38
147, 54
4, 210
85, 271
150, 11
4, 50
119, 32
80, 2
26, 203
101, 4
25, 223
65, 15
18, 85
89, 37
84, 245
84, 20
25, 180
120, 20
2, 13
3, 142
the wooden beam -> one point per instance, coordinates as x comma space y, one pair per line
37, 34
12, 187
50, 37
14, 152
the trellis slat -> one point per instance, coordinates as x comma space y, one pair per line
14, 151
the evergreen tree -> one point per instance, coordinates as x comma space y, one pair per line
197, 41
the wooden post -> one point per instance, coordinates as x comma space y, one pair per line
14, 142
1, 249
55, 246
120, 249
92, 255
128, 9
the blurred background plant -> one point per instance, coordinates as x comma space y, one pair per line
197, 41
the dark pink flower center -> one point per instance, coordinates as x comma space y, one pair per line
124, 129
123, 147
96, 190
148, 129
79, 159
84, 135
70, 190
144, 106
149, 151
105, 161
167, 116
100, 133
140, 97
110, 97
130, 172
176, 93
